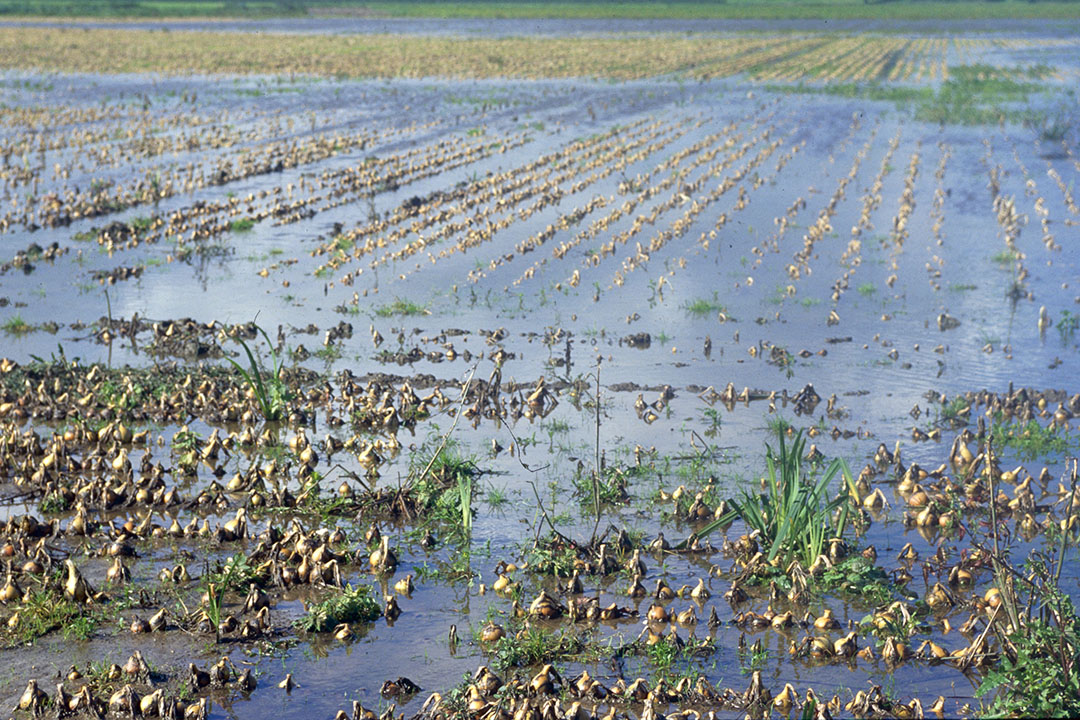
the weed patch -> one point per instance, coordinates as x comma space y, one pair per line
793, 517
45, 610
15, 325
401, 307
533, 646
351, 605
271, 393
1031, 440
703, 307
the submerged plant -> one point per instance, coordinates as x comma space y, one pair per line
1067, 325
701, 307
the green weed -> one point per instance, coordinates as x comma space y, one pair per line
15, 325
662, 656
752, 658
1067, 325
608, 489
556, 426
329, 353
1039, 671
55, 503
533, 646
351, 605
235, 574
1036, 683
955, 412
1005, 257
401, 307
778, 424
457, 569
793, 516
444, 494
856, 577
702, 307
270, 390
552, 557
971, 96
1030, 440
186, 441
141, 224
714, 421
46, 610
496, 498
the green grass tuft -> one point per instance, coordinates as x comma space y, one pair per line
270, 390
401, 307
15, 325
793, 516
1030, 440
533, 646
351, 605
46, 610
702, 307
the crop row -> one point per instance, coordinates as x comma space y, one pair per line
109, 50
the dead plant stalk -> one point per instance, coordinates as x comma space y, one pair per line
597, 469
450, 431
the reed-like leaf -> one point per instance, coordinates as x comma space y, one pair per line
794, 515
269, 392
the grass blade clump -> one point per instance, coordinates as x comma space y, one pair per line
794, 516
270, 391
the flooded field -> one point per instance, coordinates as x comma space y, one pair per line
731, 379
